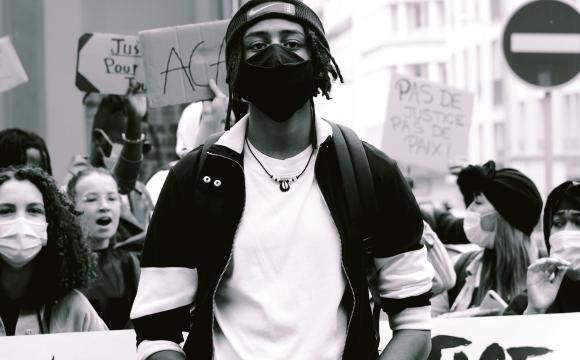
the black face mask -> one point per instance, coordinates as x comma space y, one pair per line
277, 81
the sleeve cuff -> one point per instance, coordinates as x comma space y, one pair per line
417, 318
147, 348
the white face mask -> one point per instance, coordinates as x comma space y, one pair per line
475, 233
565, 245
21, 240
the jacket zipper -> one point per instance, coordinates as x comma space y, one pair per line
353, 302
223, 270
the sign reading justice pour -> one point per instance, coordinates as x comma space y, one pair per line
109, 64
179, 61
427, 123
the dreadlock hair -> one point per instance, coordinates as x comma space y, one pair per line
326, 69
13, 145
66, 262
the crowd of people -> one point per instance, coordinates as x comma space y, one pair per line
248, 237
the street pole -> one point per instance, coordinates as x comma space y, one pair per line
548, 145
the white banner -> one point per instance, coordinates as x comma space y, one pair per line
532, 337
92, 345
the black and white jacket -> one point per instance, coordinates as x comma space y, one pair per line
190, 238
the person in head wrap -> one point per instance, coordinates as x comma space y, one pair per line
553, 283
503, 207
251, 250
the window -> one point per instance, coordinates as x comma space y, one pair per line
482, 156
418, 70
497, 71
441, 12
417, 15
496, 10
393, 8
442, 72
521, 123
571, 123
477, 73
499, 137
466, 69
453, 70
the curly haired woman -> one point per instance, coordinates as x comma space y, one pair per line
43, 258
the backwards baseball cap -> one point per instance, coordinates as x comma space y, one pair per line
514, 196
256, 10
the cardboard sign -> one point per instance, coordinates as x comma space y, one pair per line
427, 123
179, 61
537, 337
97, 345
12, 73
109, 64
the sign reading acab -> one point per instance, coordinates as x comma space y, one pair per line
180, 60
109, 64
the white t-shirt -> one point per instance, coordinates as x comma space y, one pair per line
280, 297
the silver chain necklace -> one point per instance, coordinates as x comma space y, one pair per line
284, 183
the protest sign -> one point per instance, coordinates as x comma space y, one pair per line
427, 123
92, 345
179, 61
12, 73
541, 337
109, 64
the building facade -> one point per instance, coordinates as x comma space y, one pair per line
458, 43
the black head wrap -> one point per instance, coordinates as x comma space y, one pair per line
512, 194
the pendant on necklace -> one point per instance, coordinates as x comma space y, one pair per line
284, 185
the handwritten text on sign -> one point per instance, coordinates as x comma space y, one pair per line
179, 61
12, 73
541, 337
427, 123
110, 64
92, 345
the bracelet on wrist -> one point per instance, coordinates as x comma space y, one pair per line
133, 141
131, 161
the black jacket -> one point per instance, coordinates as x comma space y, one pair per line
194, 224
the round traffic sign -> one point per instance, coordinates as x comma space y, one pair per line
541, 43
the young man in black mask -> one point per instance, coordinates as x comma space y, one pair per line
252, 252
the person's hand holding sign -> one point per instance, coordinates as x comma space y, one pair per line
213, 117
543, 282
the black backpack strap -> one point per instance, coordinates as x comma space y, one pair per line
364, 179
357, 178
359, 190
